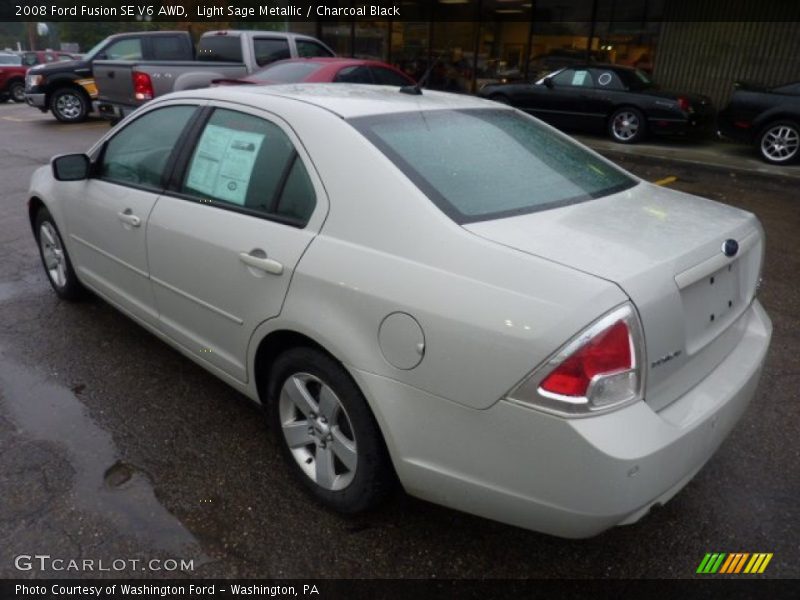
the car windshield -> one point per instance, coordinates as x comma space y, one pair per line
483, 164
10, 59
95, 49
289, 72
635, 79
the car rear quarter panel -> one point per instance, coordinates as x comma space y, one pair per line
489, 314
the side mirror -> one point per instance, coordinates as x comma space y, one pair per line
71, 167
100, 56
549, 82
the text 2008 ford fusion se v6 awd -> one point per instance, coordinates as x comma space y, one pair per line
560, 348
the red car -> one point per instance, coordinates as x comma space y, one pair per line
12, 78
326, 70
39, 57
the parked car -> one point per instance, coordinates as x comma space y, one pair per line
39, 57
325, 70
768, 118
125, 85
621, 101
12, 78
10, 58
67, 89
561, 349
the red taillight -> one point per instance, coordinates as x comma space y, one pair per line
607, 353
742, 124
683, 104
142, 86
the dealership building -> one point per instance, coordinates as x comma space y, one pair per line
687, 45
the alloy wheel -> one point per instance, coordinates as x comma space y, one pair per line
53, 253
69, 105
625, 125
780, 143
318, 431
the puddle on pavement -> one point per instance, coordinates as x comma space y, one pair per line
116, 491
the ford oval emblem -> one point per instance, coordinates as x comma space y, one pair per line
730, 247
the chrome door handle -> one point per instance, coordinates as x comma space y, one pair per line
129, 218
264, 264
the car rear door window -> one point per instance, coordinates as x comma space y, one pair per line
268, 50
168, 47
243, 161
355, 74
385, 76
139, 153
311, 49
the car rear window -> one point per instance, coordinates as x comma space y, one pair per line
290, 72
220, 48
483, 164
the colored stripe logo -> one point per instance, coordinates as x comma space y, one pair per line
734, 563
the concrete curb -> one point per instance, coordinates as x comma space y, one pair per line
655, 156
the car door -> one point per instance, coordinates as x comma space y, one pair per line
608, 93
224, 240
107, 216
564, 102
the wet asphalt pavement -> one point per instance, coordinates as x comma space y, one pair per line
114, 446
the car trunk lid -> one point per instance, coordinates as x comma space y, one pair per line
664, 249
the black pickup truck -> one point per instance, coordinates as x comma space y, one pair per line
768, 118
68, 88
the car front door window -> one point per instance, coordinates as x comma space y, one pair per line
573, 78
138, 155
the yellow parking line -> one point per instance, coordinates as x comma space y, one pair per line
666, 180
18, 120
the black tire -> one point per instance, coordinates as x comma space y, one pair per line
627, 125
70, 289
501, 98
373, 476
69, 105
16, 89
778, 142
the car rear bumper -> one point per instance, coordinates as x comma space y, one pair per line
696, 126
726, 129
567, 477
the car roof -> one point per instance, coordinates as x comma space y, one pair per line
597, 65
329, 60
344, 99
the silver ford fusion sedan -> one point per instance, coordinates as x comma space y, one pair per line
431, 288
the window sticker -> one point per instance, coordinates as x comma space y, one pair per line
579, 77
223, 163
604, 79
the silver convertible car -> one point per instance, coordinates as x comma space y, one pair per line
432, 289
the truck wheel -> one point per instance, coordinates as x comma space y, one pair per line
17, 91
779, 142
68, 105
